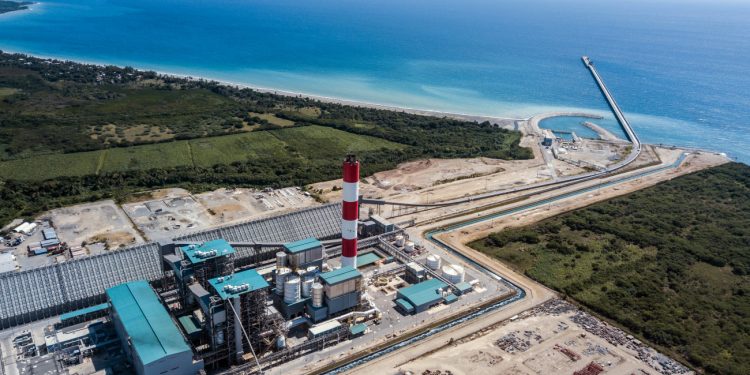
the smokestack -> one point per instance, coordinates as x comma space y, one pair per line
350, 212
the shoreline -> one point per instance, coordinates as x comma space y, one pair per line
520, 124
500, 121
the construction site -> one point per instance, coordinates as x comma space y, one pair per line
376, 280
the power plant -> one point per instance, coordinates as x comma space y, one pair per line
246, 297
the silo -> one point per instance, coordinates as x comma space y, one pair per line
317, 295
281, 275
291, 289
280, 260
307, 284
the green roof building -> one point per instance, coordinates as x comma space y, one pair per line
150, 338
234, 286
208, 250
420, 297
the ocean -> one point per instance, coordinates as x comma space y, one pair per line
678, 68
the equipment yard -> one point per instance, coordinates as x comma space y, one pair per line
552, 338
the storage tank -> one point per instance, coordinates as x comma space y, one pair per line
291, 289
454, 273
281, 342
409, 247
317, 295
400, 240
280, 260
461, 273
433, 262
307, 284
281, 275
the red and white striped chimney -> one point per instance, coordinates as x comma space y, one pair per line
350, 212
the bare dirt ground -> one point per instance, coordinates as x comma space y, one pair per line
168, 213
553, 338
440, 179
102, 221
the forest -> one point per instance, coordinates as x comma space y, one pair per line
53, 109
670, 263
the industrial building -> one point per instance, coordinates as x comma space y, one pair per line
247, 295
422, 296
149, 337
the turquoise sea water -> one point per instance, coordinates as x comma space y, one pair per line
678, 68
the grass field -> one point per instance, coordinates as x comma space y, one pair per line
670, 263
309, 143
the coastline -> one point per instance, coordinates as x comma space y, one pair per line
503, 122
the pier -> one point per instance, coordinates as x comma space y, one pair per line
632, 137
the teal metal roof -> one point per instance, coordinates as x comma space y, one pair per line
367, 259
250, 277
88, 310
450, 298
190, 325
405, 305
220, 246
302, 245
340, 275
463, 287
358, 328
152, 332
423, 293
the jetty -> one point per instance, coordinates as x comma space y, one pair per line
632, 137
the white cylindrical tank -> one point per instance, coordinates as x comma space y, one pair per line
433, 262
291, 289
460, 271
409, 247
399, 240
307, 284
281, 342
281, 275
280, 260
454, 273
317, 295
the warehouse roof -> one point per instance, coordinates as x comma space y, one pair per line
423, 293
404, 305
358, 329
207, 250
367, 259
340, 275
146, 322
302, 245
88, 310
224, 284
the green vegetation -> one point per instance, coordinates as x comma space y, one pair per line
73, 132
10, 6
670, 263
312, 143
